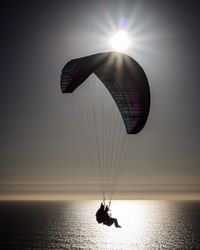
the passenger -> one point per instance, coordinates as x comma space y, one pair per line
108, 220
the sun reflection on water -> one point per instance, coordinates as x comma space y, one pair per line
137, 230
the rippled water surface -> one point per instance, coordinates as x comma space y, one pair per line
72, 225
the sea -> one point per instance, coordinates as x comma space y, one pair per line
72, 225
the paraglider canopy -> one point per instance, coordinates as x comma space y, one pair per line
122, 76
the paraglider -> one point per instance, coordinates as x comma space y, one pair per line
103, 216
124, 79
127, 83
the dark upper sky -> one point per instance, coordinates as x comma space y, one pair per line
39, 143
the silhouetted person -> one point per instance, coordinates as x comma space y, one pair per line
108, 220
100, 214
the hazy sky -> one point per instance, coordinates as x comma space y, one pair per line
41, 148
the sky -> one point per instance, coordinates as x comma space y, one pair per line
41, 149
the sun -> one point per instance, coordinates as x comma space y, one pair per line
120, 41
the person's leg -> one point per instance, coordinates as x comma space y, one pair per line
116, 222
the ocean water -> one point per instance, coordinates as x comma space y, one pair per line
72, 225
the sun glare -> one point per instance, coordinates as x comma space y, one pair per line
120, 41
